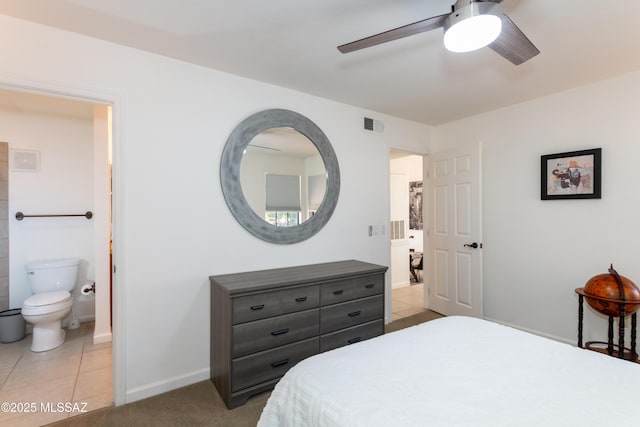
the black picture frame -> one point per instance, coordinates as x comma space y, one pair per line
571, 175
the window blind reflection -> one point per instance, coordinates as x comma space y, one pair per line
283, 192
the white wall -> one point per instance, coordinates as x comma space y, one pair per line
399, 211
101, 301
172, 227
64, 184
537, 252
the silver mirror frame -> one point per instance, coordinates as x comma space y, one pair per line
230, 175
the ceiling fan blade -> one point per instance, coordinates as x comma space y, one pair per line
512, 44
395, 34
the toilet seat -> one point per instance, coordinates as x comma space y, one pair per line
46, 302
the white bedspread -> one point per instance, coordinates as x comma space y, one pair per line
457, 371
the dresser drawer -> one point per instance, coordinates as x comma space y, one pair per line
267, 365
351, 335
369, 285
351, 313
346, 290
268, 304
268, 333
338, 291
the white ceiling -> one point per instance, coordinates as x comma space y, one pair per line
292, 43
24, 102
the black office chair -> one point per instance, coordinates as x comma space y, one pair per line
415, 263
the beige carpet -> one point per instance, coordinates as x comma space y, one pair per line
196, 405
405, 322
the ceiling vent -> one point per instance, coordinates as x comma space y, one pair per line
373, 125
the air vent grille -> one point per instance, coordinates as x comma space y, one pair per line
368, 123
373, 125
396, 230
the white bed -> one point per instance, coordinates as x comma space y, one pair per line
457, 371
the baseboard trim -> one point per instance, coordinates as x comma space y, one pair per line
169, 384
101, 338
397, 285
533, 331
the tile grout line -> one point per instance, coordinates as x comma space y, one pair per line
75, 384
13, 368
401, 294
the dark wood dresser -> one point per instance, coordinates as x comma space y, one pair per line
264, 322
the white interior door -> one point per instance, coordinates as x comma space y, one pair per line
454, 262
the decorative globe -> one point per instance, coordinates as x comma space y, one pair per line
607, 286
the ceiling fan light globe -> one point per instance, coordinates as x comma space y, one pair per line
472, 27
473, 33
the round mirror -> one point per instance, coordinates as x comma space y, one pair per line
280, 176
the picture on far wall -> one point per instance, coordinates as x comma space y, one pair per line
415, 205
571, 175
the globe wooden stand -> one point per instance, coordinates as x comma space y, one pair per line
614, 350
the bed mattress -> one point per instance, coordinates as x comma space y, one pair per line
456, 371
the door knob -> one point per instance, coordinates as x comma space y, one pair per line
473, 245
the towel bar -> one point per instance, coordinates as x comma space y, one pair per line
20, 216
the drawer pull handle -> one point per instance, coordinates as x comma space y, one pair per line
279, 363
354, 340
369, 286
301, 299
257, 307
280, 332
338, 292
355, 313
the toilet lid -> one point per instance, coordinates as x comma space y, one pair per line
47, 298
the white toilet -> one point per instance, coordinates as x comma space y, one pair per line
51, 282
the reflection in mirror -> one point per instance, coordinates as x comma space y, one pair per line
283, 176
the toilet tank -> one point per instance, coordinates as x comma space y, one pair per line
53, 275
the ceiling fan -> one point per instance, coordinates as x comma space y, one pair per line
472, 24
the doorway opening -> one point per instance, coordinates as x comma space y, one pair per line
406, 233
72, 138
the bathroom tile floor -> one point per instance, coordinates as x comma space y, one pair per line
407, 301
41, 388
